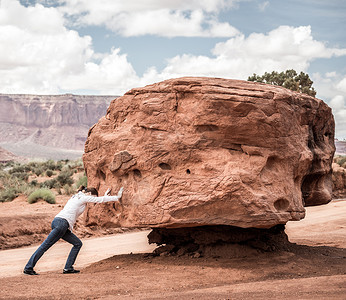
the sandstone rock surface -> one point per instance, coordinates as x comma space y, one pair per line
206, 151
339, 181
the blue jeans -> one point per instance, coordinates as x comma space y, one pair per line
59, 230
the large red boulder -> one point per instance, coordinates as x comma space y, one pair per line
210, 151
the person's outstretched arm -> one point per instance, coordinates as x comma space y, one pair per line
105, 198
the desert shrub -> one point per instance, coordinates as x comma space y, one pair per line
32, 165
14, 177
68, 189
21, 176
50, 184
8, 194
11, 185
49, 173
18, 168
65, 177
38, 171
59, 165
66, 168
27, 189
341, 161
62, 163
33, 182
43, 194
76, 165
7, 165
50, 165
82, 180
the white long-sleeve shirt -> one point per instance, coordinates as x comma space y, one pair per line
75, 206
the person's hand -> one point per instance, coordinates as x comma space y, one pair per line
120, 193
108, 192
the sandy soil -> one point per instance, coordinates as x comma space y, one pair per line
314, 267
93, 250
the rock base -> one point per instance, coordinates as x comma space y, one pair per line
218, 241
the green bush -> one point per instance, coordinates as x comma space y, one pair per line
19, 169
7, 165
76, 165
33, 182
68, 190
50, 184
38, 171
11, 185
65, 177
21, 176
27, 189
32, 165
43, 194
14, 177
341, 160
82, 180
8, 194
59, 165
50, 165
49, 173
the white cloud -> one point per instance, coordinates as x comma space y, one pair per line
112, 7
291, 44
338, 106
342, 85
39, 55
337, 103
170, 24
114, 75
331, 87
153, 17
281, 49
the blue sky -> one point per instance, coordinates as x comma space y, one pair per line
111, 46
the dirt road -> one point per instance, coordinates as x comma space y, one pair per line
13, 261
313, 268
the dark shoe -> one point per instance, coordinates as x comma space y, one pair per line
29, 272
70, 271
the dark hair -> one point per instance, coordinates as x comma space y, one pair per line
92, 190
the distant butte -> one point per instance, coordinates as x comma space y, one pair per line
46, 125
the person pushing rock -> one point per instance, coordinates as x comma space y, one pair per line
62, 226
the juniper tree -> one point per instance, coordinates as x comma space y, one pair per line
289, 79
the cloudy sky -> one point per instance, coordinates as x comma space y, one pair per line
111, 46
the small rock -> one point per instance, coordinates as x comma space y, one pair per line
181, 252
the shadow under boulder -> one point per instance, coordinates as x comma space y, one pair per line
218, 241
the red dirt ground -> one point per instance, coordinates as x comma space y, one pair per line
314, 267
